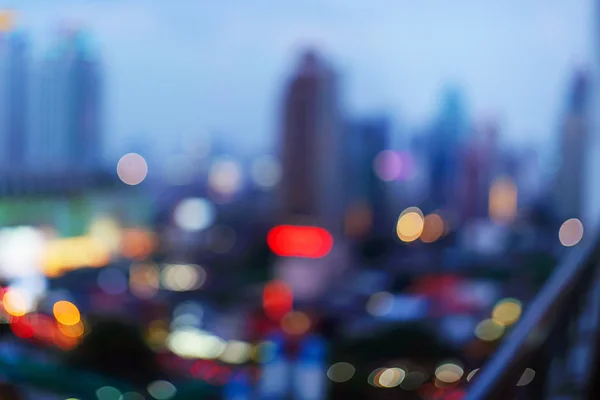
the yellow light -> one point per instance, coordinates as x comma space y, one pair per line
489, 330
449, 373
507, 312
391, 377
107, 231
503, 200
14, 303
66, 313
410, 224
571, 232
73, 253
72, 331
433, 228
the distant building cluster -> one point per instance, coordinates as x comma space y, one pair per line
342, 172
50, 109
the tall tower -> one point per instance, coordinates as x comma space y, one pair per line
446, 138
569, 184
366, 195
14, 107
68, 129
310, 189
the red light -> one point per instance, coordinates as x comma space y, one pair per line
278, 299
22, 328
299, 241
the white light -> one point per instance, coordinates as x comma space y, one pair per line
183, 277
236, 352
194, 214
225, 176
194, 343
132, 169
266, 172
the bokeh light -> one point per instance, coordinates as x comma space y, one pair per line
388, 165
14, 303
341, 372
489, 330
373, 378
194, 214
183, 277
108, 393
410, 224
472, 374
571, 232
278, 299
132, 169
449, 373
107, 231
266, 172
503, 200
225, 176
295, 323
507, 311
236, 352
391, 377
527, 377
66, 312
162, 390
194, 343
380, 304
433, 228
74, 331
144, 280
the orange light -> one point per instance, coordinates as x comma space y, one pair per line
72, 331
14, 303
299, 241
433, 228
137, 243
66, 313
72, 253
278, 299
295, 323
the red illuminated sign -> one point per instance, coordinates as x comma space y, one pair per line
299, 241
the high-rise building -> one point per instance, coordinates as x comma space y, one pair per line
480, 159
449, 130
366, 204
311, 188
14, 82
569, 185
68, 106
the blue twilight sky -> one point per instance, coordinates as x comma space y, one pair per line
177, 67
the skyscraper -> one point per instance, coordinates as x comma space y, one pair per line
68, 106
14, 107
310, 188
445, 140
366, 202
569, 184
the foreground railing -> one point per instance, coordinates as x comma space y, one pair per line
557, 338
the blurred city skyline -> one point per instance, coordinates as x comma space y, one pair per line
513, 61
